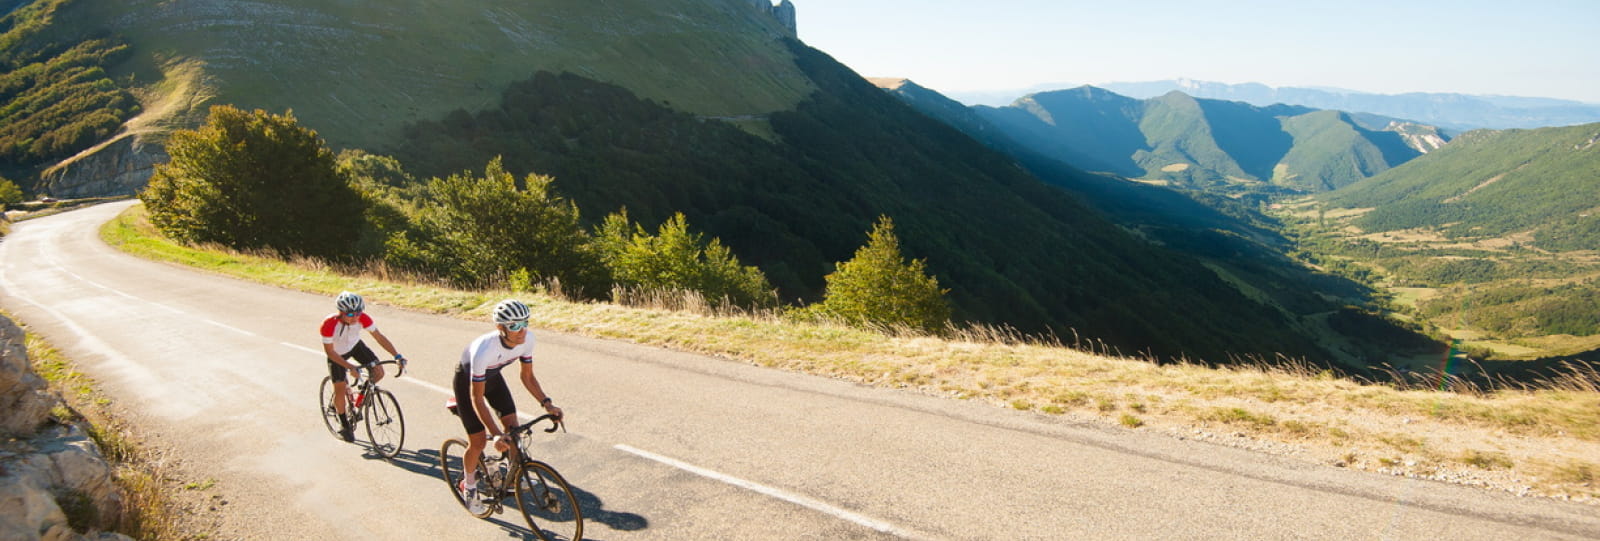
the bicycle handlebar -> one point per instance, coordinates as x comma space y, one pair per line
555, 422
365, 373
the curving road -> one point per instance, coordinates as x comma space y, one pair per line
664, 445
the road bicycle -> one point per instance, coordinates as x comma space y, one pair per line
371, 405
545, 499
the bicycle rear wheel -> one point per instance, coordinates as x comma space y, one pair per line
450, 466
330, 416
386, 426
544, 495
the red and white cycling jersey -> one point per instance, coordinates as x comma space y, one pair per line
343, 337
487, 354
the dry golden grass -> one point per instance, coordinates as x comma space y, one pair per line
1540, 440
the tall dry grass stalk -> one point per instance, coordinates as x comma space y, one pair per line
686, 301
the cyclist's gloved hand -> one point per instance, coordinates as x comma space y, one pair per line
402, 359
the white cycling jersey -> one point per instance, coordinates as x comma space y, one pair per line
343, 337
487, 354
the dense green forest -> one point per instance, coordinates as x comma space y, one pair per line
1011, 250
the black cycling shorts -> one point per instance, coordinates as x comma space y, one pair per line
495, 392
364, 357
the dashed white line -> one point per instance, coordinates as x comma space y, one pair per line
413, 381
772, 492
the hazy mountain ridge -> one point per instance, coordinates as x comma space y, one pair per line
1449, 110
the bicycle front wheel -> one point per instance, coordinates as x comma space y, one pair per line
386, 426
330, 416
548, 503
450, 467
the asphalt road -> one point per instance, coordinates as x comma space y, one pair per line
666, 445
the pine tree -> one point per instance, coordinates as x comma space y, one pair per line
879, 288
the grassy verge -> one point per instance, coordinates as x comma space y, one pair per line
1544, 442
149, 512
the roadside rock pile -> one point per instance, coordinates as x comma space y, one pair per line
47, 469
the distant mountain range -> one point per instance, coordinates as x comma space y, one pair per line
1204, 143
1455, 112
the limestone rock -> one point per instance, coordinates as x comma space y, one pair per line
24, 404
38, 466
121, 166
784, 11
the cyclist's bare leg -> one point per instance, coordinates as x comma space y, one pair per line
376, 372
340, 391
476, 441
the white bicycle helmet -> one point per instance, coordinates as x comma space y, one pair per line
510, 310
350, 302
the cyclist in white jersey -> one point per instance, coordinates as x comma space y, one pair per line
480, 387
341, 340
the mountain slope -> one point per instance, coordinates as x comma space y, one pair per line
1089, 127
363, 70
1332, 151
1543, 182
1209, 144
1011, 249
1229, 236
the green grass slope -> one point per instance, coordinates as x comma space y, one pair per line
360, 71
1332, 151
1183, 145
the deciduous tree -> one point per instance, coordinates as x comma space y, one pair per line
254, 180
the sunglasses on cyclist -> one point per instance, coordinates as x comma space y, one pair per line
352, 314
516, 326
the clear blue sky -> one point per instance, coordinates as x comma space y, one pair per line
1538, 48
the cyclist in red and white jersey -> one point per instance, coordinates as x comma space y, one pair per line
480, 387
341, 340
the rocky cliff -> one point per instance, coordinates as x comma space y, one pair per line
121, 166
47, 469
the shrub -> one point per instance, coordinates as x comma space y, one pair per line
676, 259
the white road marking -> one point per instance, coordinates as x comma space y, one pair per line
413, 381
772, 492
